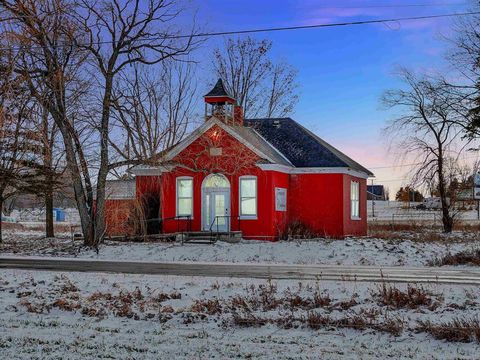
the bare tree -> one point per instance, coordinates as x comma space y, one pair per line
52, 164
465, 57
121, 34
261, 87
19, 145
153, 110
55, 38
42, 33
428, 130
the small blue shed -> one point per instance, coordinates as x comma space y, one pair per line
59, 214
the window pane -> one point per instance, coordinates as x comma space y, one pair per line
207, 207
184, 206
216, 181
185, 188
249, 206
248, 187
354, 199
354, 189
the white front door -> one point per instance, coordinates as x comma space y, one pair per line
216, 209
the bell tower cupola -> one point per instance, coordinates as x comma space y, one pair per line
220, 104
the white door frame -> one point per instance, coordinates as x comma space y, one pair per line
212, 192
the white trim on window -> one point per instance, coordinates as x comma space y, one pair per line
355, 200
241, 197
178, 198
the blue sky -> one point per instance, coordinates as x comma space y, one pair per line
344, 70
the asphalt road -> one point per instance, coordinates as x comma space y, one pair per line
464, 275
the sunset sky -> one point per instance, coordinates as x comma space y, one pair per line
344, 70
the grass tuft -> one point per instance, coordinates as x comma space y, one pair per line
463, 330
414, 297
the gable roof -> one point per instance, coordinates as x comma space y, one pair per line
300, 146
247, 136
280, 141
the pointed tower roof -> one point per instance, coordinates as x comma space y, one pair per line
218, 90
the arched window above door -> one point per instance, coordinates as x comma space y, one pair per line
216, 181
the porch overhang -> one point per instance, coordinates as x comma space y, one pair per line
146, 170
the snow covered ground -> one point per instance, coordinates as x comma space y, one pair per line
349, 252
47, 315
404, 251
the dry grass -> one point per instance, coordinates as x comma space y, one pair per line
316, 321
467, 257
413, 298
456, 330
358, 322
249, 320
388, 228
137, 217
209, 306
38, 307
422, 231
265, 297
296, 230
58, 227
420, 234
161, 297
299, 307
66, 305
467, 227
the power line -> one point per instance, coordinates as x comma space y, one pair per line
347, 23
284, 28
390, 6
412, 164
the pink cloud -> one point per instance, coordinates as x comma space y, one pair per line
375, 156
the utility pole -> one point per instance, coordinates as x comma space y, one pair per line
373, 201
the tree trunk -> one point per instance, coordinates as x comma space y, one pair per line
49, 232
85, 208
1, 208
100, 226
48, 171
447, 219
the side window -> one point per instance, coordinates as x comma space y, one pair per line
248, 197
184, 196
355, 200
280, 199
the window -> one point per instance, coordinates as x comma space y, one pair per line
355, 200
248, 197
280, 199
184, 196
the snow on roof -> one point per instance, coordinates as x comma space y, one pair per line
120, 189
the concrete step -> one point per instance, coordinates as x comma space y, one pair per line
205, 233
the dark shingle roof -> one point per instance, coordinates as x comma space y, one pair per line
300, 146
218, 90
252, 137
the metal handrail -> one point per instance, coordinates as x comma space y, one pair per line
215, 220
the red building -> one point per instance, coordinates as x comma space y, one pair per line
256, 176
